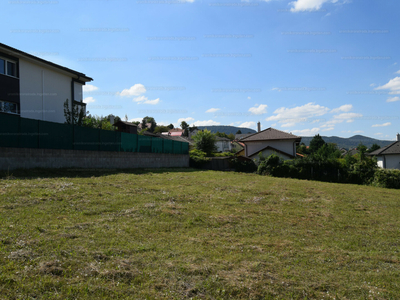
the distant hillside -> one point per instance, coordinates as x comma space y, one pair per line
226, 129
348, 143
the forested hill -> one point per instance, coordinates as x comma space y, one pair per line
226, 129
351, 142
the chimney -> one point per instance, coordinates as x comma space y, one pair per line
259, 126
398, 137
112, 119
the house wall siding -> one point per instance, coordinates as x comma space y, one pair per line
43, 92
282, 145
392, 161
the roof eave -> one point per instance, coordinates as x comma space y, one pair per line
20, 54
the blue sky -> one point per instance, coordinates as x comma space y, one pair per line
304, 66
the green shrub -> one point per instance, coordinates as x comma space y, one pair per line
197, 158
269, 165
387, 178
244, 166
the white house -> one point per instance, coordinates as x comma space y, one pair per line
271, 141
388, 157
34, 88
223, 144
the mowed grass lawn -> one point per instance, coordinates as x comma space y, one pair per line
182, 233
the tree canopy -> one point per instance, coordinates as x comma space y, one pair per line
316, 143
205, 141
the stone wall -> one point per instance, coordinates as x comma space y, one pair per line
28, 158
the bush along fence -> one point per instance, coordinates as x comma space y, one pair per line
363, 172
20, 132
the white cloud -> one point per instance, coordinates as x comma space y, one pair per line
89, 88
348, 117
206, 123
298, 114
393, 99
187, 120
382, 125
398, 72
134, 90
306, 132
261, 109
213, 110
328, 129
145, 100
393, 85
378, 133
372, 84
152, 102
343, 108
308, 5
249, 98
358, 131
247, 124
136, 120
288, 125
88, 100
331, 123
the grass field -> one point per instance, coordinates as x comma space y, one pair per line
181, 234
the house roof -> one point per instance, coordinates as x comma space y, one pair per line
176, 133
273, 149
20, 54
393, 148
218, 138
242, 135
125, 123
178, 139
176, 130
270, 134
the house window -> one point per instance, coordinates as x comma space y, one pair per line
8, 67
8, 107
11, 68
2, 66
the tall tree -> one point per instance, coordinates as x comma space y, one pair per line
146, 120
373, 148
205, 141
184, 125
316, 143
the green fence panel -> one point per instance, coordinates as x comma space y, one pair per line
110, 140
185, 148
29, 134
9, 130
177, 147
157, 145
129, 142
86, 138
144, 144
167, 146
55, 136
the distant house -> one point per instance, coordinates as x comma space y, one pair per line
180, 139
389, 156
126, 127
176, 132
271, 141
223, 144
34, 88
